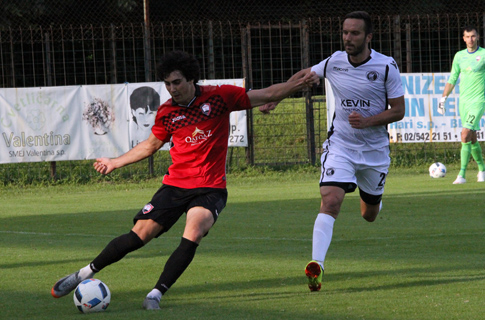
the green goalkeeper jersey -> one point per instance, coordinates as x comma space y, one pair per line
472, 69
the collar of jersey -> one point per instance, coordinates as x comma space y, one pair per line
478, 47
197, 94
355, 65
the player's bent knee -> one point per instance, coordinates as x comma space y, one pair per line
370, 205
195, 236
147, 229
370, 199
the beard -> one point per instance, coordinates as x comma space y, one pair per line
355, 49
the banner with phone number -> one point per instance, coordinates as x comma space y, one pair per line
422, 122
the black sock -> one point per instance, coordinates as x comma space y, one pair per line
116, 250
176, 264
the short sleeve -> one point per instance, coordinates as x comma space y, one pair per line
319, 69
158, 128
393, 84
236, 97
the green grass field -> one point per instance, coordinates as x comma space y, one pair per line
423, 258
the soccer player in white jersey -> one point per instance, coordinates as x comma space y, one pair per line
356, 153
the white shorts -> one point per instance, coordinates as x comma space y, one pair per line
366, 169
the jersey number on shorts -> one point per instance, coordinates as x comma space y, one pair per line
471, 119
383, 180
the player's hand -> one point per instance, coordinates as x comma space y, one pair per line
266, 108
311, 79
357, 121
441, 106
104, 165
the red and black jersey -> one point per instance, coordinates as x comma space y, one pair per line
200, 133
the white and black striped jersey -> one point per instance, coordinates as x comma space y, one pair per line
363, 88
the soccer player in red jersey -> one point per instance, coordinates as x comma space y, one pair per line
196, 122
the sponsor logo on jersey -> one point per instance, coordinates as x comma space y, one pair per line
372, 75
198, 136
197, 131
147, 208
394, 64
178, 118
340, 69
206, 109
356, 104
330, 172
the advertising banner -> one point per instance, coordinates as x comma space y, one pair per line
86, 122
103, 129
422, 122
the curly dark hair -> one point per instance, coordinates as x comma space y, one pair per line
181, 61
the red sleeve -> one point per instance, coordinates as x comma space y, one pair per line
237, 97
158, 129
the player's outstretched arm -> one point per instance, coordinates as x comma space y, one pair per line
266, 108
280, 91
141, 151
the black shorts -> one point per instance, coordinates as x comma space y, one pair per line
169, 203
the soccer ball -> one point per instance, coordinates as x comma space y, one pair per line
92, 295
437, 170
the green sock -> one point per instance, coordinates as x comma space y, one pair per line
477, 155
466, 148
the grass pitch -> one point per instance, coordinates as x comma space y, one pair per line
422, 258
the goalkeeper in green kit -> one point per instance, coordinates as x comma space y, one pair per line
470, 63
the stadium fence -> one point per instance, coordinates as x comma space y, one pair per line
262, 53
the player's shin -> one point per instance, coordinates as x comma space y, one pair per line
116, 250
465, 157
477, 155
322, 236
176, 264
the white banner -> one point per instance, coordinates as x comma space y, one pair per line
86, 122
61, 123
144, 100
142, 115
422, 122
104, 129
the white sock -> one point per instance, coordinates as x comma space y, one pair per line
322, 236
86, 272
155, 294
380, 206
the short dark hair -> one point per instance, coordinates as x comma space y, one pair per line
181, 61
470, 28
145, 98
361, 15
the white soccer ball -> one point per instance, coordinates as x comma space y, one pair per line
92, 295
437, 170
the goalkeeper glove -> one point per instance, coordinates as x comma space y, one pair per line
441, 105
